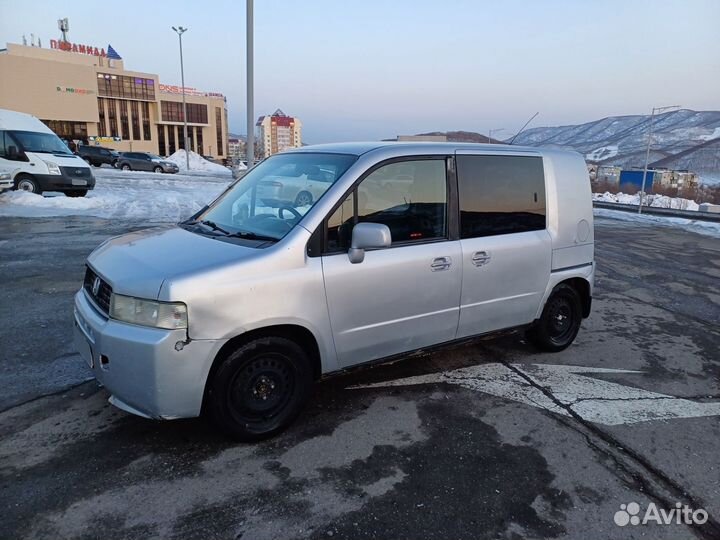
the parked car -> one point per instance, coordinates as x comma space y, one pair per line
38, 159
298, 186
236, 311
97, 155
143, 161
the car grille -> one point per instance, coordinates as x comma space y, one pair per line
102, 292
77, 172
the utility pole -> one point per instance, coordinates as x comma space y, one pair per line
647, 150
180, 31
250, 146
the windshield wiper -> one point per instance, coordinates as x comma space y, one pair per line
211, 224
252, 236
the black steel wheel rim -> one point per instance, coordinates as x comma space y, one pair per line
561, 319
261, 389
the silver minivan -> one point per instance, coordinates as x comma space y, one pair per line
235, 312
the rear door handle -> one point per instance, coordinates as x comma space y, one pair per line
441, 263
480, 258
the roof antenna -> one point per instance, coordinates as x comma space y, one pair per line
526, 124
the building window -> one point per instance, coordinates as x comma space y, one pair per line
124, 119
172, 111
135, 118
68, 130
500, 195
218, 129
102, 130
161, 139
181, 138
146, 121
171, 140
121, 86
112, 117
191, 139
199, 140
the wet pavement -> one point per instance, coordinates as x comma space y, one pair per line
485, 440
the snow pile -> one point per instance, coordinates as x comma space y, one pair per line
197, 163
707, 228
656, 201
129, 195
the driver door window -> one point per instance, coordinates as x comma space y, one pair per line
410, 197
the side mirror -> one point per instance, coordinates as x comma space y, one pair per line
368, 236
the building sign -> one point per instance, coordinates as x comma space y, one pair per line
71, 90
76, 48
98, 140
172, 89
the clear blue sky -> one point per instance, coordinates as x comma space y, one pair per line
372, 69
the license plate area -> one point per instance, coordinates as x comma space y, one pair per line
76, 182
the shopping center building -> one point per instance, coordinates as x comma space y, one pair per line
84, 93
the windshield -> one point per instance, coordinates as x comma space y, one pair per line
32, 141
272, 198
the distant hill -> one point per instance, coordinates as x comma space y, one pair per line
683, 139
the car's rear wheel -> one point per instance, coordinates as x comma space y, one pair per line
125, 167
76, 193
25, 182
259, 388
158, 169
97, 164
560, 320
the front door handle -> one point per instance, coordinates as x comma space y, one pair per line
441, 263
480, 258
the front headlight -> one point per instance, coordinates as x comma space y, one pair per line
168, 315
5, 176
53, 167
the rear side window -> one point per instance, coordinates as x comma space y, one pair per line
3, 152
500, 195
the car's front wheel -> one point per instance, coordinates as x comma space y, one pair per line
260, 388
125, 167
560, 320
158, 169
25, 182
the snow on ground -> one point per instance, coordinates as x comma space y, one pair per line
707, 228
129, 195
197, 163
604, 152
656, 201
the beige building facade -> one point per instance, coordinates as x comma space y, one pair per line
278, 132
88, 97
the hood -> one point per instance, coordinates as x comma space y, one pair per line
136, 264
70, 160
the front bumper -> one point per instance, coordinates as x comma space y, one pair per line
66, 180
140, 366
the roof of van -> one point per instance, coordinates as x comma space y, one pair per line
21, 122
359, 148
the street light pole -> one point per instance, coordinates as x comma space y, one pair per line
180, 31
250, 146
647, 150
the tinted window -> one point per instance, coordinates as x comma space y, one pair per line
500, 195
3, 152
410, 197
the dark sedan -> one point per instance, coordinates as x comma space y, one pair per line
144, 161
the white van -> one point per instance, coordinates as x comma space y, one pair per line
38, 159
236, 311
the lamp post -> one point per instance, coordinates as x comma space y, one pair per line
647, 151
491, 131
180, 31
250, 146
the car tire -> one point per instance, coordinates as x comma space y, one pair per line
76, 193
125, 167
560, 321
25, 182
259, 388
158, 170
303, 198
96, 164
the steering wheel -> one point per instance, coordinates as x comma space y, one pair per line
295, 213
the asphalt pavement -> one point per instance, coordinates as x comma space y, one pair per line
488, 440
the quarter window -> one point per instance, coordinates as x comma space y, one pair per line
500, 195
